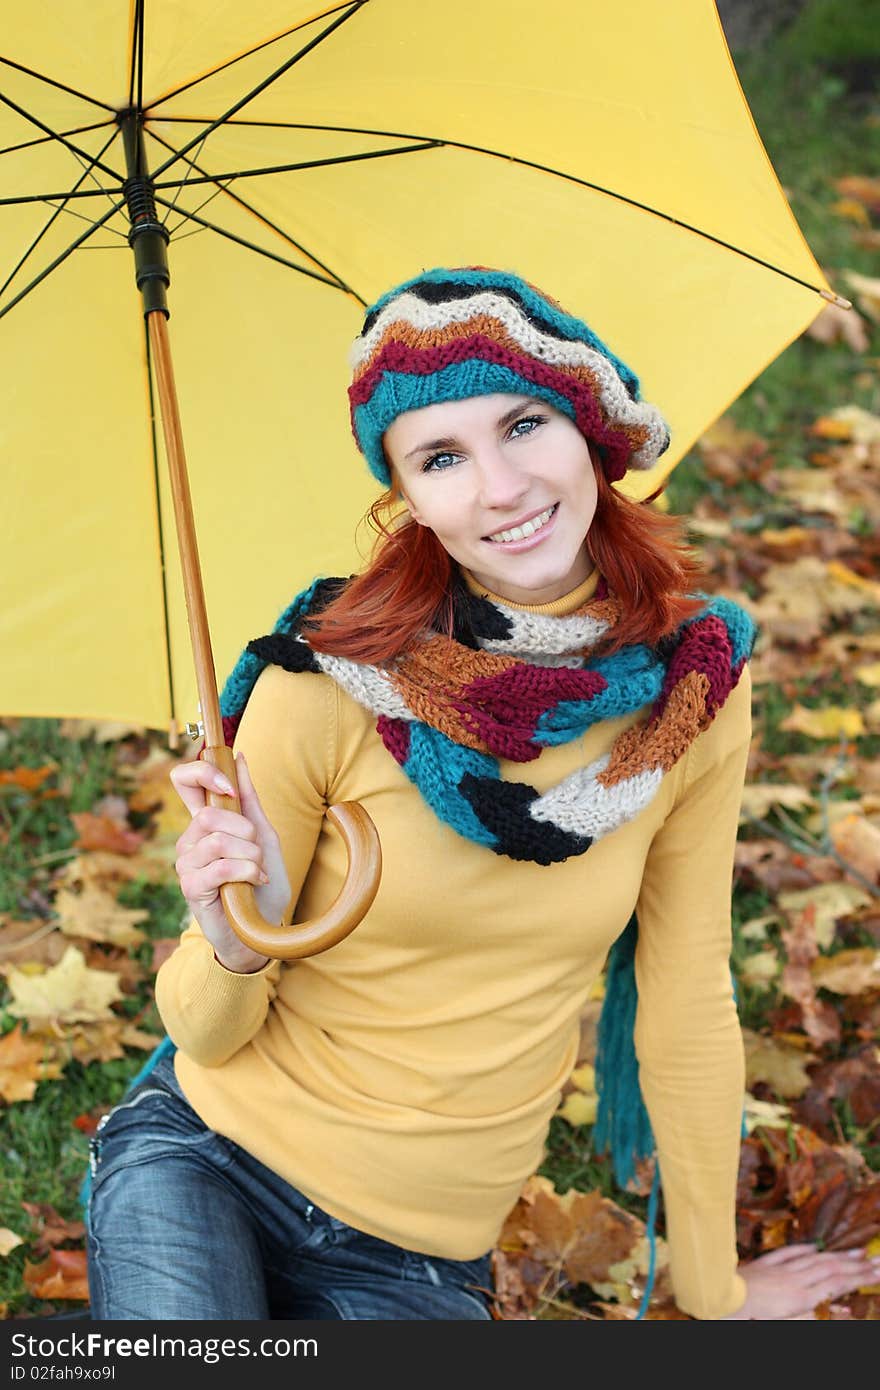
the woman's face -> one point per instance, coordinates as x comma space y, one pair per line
477, 470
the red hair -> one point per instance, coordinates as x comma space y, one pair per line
406, 587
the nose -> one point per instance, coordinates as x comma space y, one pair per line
503, 483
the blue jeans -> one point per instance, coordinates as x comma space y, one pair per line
185, 1224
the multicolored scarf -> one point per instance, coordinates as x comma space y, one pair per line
510, 683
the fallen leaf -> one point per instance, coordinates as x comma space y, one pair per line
760, 969
95, 914
778, 1064
858, 842
862, 187
848, 972
579, 1109
830, 902
758, 798
831, 721
105, 833
868, 291
101, 730
68, 992
26, 778
835, 324
580, 1234
8, 1241
62, 1275
868, 675
799, 938
24, 1063
764, 1113
852, 210
50, 1228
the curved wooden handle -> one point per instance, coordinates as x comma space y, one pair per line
342, 916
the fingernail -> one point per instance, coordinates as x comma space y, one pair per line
224, 785
264, 878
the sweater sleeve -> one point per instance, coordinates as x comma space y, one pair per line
688, 1039
288, 734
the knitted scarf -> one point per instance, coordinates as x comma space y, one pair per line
510, 683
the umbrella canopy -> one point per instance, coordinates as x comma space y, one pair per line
304, 160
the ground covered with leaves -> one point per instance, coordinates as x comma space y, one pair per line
783, 503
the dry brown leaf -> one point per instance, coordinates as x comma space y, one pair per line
848, 972
101, 730
759, 797
24, 1062
62, 1275
760, 969
105, 833
777, 1063
857, 840
581, 1234
830, 902
68, 992
95, 914
50, 1228
102, 869
33, 942
862, 187
801, 948
867, 288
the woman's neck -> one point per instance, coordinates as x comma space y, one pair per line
559, 608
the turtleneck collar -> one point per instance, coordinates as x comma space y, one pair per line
559, 608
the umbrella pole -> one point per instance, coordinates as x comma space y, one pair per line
149, 242
352, 821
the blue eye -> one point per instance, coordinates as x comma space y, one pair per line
429, 465
529, 420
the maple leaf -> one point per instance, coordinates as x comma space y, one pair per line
580, 1234
62, 1275
26, 778
854, 1080
830, 902
848, 972
104, 832
34, 942
103, 869
758, 798
50, 1228
777, 1063
857, 840
830, 722
797, 980
95, 914
101, 730
760, 969
68, 992
24, 1062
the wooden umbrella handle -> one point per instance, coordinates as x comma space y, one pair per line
342, 916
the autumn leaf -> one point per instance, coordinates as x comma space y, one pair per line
101, 730
868, 291
758, 798
24, 1062
777, 1063
848, 972
69, 992
862, 187
103, 832
50, 1228
857, 841
582, 1234
831, 721
34, 942
96, 915
760, 969
802, 949
764, 1113
28, 779
835, 324
830, 901
8, 1241
62, 1275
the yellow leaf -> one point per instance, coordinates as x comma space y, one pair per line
96, 915
24, 1061
68, 992
858, 841
765, 1113
843, 573
849, 422
868, 675
778, 1063
584, 1078
868, 291
830, 901
579, 1109
8, 1241
852, 211
758, 797
760, 969
848, 972
755, 929
830, 722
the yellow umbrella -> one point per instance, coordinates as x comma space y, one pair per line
302, 160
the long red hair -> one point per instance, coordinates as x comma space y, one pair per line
407, 584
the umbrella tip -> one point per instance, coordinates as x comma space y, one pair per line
836, 299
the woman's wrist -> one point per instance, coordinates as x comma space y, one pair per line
244, 963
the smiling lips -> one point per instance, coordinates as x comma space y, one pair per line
525, 530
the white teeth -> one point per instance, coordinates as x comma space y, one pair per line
528, 528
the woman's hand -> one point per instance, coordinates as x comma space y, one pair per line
220, 847
791, 1282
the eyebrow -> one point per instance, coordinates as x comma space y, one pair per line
449, 441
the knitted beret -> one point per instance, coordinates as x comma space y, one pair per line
447, 335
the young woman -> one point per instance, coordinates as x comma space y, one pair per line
548, 734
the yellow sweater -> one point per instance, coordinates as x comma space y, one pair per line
405, 1079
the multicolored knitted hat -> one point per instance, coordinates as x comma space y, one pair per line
450, 334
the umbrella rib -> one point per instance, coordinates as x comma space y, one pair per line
59, 259
260, 250
303, 164
38, 238
50, 82
355, 6
55, 135
261, 217
239, 57
44, 139
137, 21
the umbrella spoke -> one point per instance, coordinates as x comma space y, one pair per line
81, 155
38, 238
60, 259
254, 212
47, 139
302, 164
248, 53
353, 8
260, 250
62, 87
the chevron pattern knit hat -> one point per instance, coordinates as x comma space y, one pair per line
450, 334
